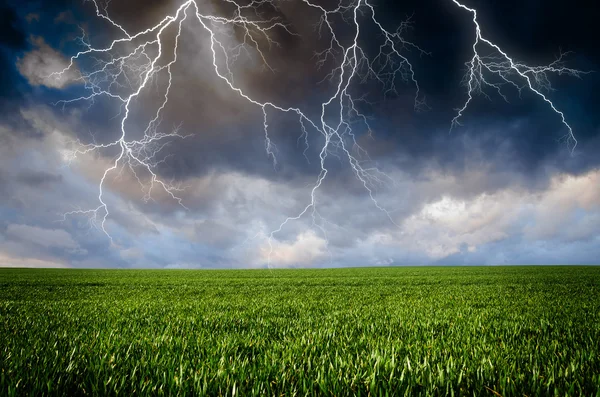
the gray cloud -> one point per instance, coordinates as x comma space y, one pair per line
43, 64
499, 190
47, 238
442, 215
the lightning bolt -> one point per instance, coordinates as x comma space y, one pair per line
481, 69
335, 122
129, 65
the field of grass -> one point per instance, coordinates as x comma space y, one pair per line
385, 331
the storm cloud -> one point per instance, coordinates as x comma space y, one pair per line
500, 189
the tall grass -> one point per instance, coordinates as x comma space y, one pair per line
379, 332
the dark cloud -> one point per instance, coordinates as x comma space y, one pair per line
38, 178
12, 39
495, 190
523, 135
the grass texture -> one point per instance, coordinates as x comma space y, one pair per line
369, 332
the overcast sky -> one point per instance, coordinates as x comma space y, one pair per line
502, 187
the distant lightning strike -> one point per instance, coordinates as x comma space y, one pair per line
138, 66
512, 73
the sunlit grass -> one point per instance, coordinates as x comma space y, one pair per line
385, 331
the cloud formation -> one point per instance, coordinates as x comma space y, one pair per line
500, 190
41, 65
47, 238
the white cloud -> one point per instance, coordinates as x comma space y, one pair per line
39, 64
556, 208
568, 210
306, 250
9, 261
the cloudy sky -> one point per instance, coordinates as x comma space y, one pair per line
395, 184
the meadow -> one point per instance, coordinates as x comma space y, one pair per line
369, 332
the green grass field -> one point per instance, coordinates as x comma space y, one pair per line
384, 331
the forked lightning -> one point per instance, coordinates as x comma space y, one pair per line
135, 60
